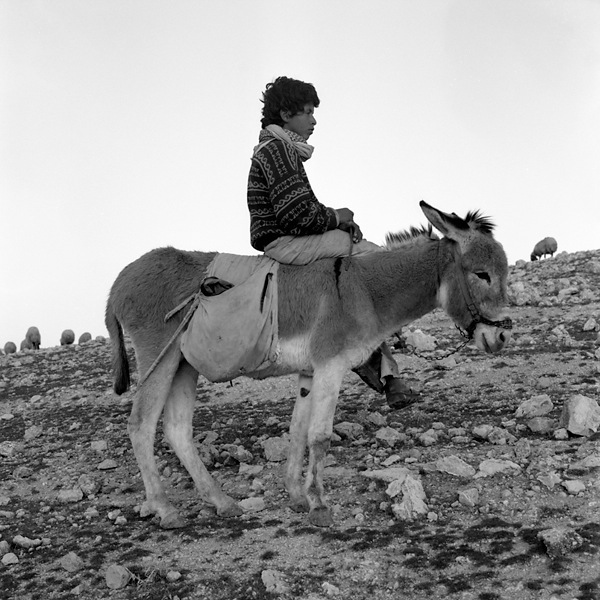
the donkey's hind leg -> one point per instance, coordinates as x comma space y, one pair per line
298, 438
177, 425
148, 404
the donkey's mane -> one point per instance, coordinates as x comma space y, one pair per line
481, 222
474, 219
393, 240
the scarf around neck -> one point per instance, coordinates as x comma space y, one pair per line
275, 132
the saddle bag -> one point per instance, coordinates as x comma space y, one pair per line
235, 332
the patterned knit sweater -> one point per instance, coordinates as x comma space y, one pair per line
280, 199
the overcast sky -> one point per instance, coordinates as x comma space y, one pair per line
129, 125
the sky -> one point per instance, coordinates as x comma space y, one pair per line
128, 125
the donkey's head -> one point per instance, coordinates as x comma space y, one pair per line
473, 270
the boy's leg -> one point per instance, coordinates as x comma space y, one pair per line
305, 249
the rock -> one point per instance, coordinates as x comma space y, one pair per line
522, 449
501, 437
117, 577
413, 499
591, 325
252, 504
249, 470
492, 466
237, 452
541, 424
453, 465
388, 475
330, 589
580, 415
421, 342
71, 562
538, 406
173, 576
389, 436
88, 484
107, 464
32, 432
10, 559
481, 432
549, 480
276, 448
349, 430
274, 581
574, 486
560, 541
25, 542
99, 445
469, 497
68, 496
4, 547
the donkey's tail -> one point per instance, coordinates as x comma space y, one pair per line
120, 362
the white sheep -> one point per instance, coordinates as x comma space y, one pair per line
546, 246
84, 338
33, 338
67, 337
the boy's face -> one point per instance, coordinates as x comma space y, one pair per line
302, 123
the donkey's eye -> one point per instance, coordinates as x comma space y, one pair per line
483, 276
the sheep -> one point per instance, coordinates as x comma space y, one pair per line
10, 348
33, 338
67, 337
546, 246
84, 338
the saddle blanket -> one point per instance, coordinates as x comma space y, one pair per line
235, 333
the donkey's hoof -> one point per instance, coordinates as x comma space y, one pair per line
321, 517
172, 521
230, 510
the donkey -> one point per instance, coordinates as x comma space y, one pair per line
332, 315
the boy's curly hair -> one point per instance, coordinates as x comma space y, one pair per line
288, 95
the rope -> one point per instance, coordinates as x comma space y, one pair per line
188, 315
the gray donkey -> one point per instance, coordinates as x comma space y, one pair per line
332, 315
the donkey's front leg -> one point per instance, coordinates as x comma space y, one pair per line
298, 438
326, 387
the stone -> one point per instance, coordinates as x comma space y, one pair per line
574, 486
276, 448
580, 415
492, 466
389, 436
33, 432
71, 562
349, 430
453, 465
88, 484
25, 542
117, 577
107, 464
254, 504
541, 424
560, 541
549, 480
421, 342
413, 499
99, 445
538, 406
10, 559
388, 475
469, 497
274, 582
70, 496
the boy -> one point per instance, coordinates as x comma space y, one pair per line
290, 225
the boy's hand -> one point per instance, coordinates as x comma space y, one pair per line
353, 229
345, 215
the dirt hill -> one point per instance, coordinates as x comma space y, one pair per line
512, 503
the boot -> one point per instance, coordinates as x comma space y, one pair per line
398, 394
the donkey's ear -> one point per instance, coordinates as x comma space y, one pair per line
452, 226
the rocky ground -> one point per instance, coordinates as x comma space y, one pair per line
481, 491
